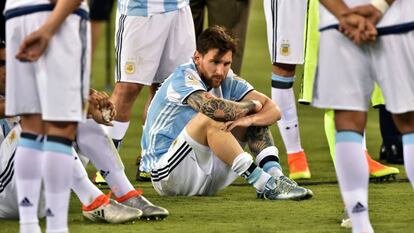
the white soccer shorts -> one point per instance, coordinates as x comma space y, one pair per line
189, 168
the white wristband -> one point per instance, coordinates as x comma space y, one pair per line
381, 5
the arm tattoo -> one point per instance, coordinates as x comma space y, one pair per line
219, 109
259, 138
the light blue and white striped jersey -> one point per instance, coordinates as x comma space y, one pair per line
169, 112
149, 7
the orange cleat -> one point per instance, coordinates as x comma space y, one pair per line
378, 170
298, 166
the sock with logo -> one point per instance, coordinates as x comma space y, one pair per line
94, 143
82, 185
28, 173
353, 177
117, 132
57, 177
268, 160
243, 165
408, 150
283, 96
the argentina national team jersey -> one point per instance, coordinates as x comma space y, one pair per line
149, 7
169, 112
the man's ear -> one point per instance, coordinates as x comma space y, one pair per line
197, 57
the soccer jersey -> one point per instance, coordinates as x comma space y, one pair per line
169, 112
149, 7
400, 12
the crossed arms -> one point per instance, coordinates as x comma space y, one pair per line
255, 109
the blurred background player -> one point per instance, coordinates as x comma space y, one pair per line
286, 22
50, 110
374, 62
231, 14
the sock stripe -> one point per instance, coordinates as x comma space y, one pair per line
254, 176
349, 136
57, 147
30, 143
271, 164
58, 139
268, 158
408, 138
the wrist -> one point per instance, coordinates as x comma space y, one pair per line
380, 5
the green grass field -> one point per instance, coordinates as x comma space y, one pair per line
236, 209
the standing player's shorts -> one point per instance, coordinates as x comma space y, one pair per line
189, 168
148, 49
285, 20
57, 85
347, 73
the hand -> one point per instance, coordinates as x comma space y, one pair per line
241, 122
368, 11
34, 45
101, 109
357, 28
258, 105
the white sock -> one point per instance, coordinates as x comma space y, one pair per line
28, 171
353, 177
94, 144
57, 178
408, 149
268, 160
117, 131
288, 124
244, 166
82, 186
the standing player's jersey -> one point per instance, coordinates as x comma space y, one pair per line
149, 7
13, 4
400, 12
6, 125
169, 112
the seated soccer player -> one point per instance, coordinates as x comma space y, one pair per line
196, 121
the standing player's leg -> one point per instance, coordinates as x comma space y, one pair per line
286, 46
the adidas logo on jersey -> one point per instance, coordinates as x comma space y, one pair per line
104, 174
49, 213
25, 202
358, 208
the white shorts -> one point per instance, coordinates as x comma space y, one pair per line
189, 168
57, 85
285, 20
346, 73
148, 49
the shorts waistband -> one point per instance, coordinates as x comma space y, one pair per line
9, 14
382, 31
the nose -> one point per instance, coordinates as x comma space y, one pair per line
220, 70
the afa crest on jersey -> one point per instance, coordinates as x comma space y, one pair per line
285, 48
130, 67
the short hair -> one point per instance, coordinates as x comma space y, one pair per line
216, 37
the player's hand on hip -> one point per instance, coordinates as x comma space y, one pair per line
34, 45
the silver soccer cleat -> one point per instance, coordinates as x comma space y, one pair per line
149, 210
282, 188
113, 212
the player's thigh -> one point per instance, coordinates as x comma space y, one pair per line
393, 61
344, 80
285, 22
21, 88
180, 45
140, 43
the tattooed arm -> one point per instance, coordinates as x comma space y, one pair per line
221, 109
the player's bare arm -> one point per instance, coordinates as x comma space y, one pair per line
259, 138
220, 109
36, 43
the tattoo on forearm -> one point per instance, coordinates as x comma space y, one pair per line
259, 138
219, 109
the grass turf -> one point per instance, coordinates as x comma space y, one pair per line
235, 209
